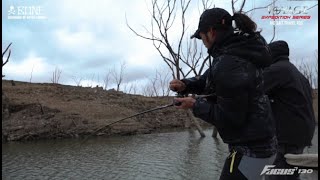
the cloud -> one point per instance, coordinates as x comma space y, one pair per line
74, 40
86, 38
32, 65
82, 44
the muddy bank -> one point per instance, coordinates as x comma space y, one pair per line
44, 111
33, 111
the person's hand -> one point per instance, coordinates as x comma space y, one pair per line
186, 102
177, 85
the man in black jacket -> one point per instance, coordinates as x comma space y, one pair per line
291, 102
236, 104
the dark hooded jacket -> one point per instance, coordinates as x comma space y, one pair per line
239, 109
291, 97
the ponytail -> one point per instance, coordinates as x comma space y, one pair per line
244, 23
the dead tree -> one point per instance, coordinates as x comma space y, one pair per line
316, 70
90, 81
7, 60
31, 73
106, 79
154, 88
56, 75
158, 85
130, 88
163, 16
118, 76
5, 100
182, 60
183, 57
147, 89
77, 80
163, 79
309, 71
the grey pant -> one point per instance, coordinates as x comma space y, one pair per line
280, 162
244, 167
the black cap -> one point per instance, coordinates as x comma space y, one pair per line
216, 18
279, 48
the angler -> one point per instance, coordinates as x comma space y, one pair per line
241, 111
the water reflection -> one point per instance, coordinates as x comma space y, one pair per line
176, 155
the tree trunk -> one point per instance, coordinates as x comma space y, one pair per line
196, 123
214, 132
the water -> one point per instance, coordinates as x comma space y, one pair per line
176, 155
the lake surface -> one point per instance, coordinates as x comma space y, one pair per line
175, 155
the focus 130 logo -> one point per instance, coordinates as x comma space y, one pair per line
270, 170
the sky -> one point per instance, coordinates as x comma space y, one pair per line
84, 39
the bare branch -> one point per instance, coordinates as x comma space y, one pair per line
205, 4
177, 55
183, 9
232, 6
274, 25
144, 37
312, 6
119, 76
263, 7
6, 49
77, 80
106, 79
31, 73
56, 76
7, 60
242, 5
4, 52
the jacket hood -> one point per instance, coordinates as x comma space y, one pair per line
251, 47
279, 50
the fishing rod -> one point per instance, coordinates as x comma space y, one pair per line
174, 103
140, 113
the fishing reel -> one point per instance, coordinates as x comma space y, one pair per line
207, 97
179, 95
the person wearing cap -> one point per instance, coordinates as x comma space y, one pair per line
291, 101
236, 104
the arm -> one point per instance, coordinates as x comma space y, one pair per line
195, 85
232, 82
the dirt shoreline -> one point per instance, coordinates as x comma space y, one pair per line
32, 111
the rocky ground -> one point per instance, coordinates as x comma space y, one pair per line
44, 111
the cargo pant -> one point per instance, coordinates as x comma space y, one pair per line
241, 167
281, 163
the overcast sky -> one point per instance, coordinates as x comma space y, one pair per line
85, 38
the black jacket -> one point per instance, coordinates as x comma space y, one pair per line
240, 110
291, 96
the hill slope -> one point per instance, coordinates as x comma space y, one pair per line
44, 111
33, 111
